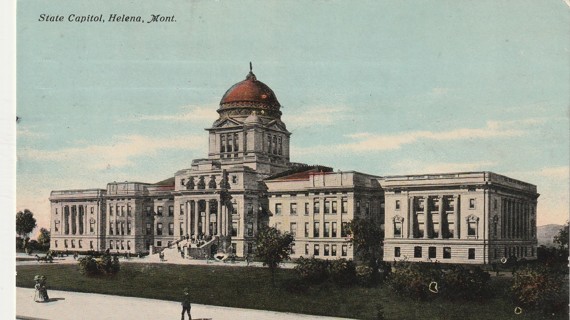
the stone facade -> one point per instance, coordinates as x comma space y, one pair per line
247, 180
472, 217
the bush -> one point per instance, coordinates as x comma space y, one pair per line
412, 280
539, 288
312, 270
342, 272
105, 265
461, 283
365, 275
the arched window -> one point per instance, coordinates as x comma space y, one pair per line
398, 224
472, 226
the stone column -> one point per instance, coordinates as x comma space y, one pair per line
241, 226
207, 229
426, 217
219, 218
410, 225
456, 216
339, 217
196, 217
322, 212
76, 219
441, 213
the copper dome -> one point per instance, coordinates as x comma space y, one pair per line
250, 95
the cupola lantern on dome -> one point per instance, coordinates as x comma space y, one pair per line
250, 95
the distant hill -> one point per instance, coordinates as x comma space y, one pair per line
546, 233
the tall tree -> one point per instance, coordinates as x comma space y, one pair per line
25, 223
366, 238
561, 239
44, 237
273, 247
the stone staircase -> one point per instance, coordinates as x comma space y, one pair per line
193, 251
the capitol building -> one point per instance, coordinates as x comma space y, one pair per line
247, 180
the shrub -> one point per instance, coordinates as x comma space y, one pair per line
105, 265
461, 283
365, 275
342, 272
539, 288
412, 280
312, 270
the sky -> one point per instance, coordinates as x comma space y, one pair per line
381, 87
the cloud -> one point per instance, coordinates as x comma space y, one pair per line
562, 172
367, 142
308, 116
418, 167
201, 114
119, 153
26, 132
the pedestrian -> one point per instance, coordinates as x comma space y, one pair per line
186, 305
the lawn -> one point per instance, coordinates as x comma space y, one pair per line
250, 287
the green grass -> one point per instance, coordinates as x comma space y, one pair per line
251, 288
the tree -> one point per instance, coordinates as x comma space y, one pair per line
561, 239
25, 223
366, 238
273, 248
44, 237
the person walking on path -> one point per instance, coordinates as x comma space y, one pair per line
186, 306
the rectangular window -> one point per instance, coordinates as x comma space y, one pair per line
148, 229
344, 206
327, 250
111, 227
417, 252
171, 229
471, 203
431, 252
56, 226
278, 208
249, 247
148, 211
397, 204
367, 208
333, 231
170, 211
471, 254
122, 211
129, 209
333, 250
316, 230
495, 204
181, 228
316, 250
128, 228
358, 206
92, 210
110, 210
159, 229
316, 207
181, 209
159, 243
293, 228
249, 209
234, 229
327, 229
306, 248
111, 244
293, 209
159, 210
344, 252
334, 208
344, 230
306, 208
327, 207
447, 252
250, 229
306, 229
397, 252
92, 227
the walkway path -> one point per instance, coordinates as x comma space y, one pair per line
88, 306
